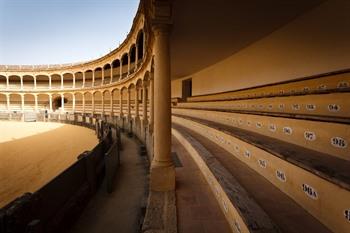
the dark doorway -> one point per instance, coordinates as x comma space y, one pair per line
186, 88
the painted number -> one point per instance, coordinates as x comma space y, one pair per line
272, 127
311, 107
343, 84
258, 125
310, 136
310, 191
296, 107
347, 214
281, 176
247, 154
333, 108
287, 130
339, 142
262, 163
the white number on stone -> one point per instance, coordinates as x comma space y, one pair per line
269, 106
247, 154
296, 107
310, 191
287, 130
238, 228
333, 107
347, 214
272, 128
281, 176
262, 163
310, 136
306, 89
281, 106
339, 142
249, 123
311, 107
343, 84
258, 125
322, 87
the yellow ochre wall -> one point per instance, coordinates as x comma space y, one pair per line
314, 43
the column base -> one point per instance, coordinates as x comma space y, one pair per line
162, 178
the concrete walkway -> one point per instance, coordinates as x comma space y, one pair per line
197, 208
119, 211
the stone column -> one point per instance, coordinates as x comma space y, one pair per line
121, 69
136, 102
103, 76
93, 103
22, 103
151, 103
162, 168
83, 79
74, 80
62, 80
8, 102
111, 103
50, 82
7, 82
103, 103
21, 77
36, 102
83, 103
129, 61
136, 55
50, 96
93, 78
121, 103
110, 81
129, 104
144, 104
34, 82
73, 102
62, 102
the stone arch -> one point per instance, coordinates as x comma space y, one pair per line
3, 102
88, 101
29, 102
42, 82
14, 82
107, 101
98, 76
15, 102
78, 102
43, 102
116, 70
97, 101
132, 54
88, 78
124, 64
140, 45
79, 79
3, 82
68, 101
67, 80
56, 81
107, 73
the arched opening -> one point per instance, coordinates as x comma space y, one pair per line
43, 102
124, 65
42, 82
68, 80
57, 102
29, 103
116, 98
55, 81
116, 70
78, 102
68, 102
88, 102
79, 79
15, 103
124, 93
3, 82
132, 90
88, 78
28, 82
98, 102
3, 103
107, 102
15, 82
132, 58
140, 46
98, 76
107, 74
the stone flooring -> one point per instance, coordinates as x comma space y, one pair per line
119, 211
197, 209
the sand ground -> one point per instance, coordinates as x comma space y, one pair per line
31, 154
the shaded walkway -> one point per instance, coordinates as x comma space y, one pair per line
119, 211
197, 208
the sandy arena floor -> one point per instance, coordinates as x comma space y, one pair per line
31, 154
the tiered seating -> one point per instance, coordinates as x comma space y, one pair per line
297, 152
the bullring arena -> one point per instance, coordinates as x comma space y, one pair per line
33, 153
225, 118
